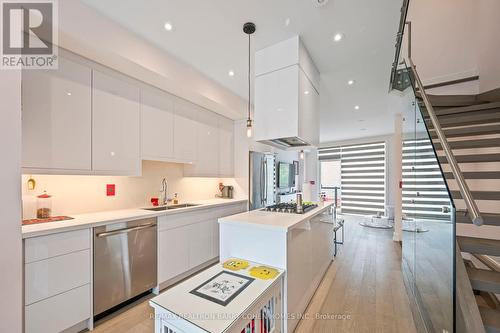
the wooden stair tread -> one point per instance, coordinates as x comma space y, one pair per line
478, 158
468, 131
479, 195
491, 319
484, 280
485, 246
476, 175
466, 144
470, 108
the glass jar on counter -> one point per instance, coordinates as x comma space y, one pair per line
43, 206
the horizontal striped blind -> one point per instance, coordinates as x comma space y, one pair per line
424, 189
363, 176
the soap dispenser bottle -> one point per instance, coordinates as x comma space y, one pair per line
176, 199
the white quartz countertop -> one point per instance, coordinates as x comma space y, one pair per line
273, 220
82, 221
205, 314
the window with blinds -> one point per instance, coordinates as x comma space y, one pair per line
424, 189
363, 182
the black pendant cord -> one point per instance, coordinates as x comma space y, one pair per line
249, 92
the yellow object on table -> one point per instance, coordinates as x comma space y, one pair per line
263, 272
235, 264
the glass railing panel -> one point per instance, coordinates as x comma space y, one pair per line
431, 211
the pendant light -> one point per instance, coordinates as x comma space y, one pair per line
249, 29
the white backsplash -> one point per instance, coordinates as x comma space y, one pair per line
85, 194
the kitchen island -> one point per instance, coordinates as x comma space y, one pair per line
300, 244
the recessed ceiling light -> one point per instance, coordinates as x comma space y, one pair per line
168, 26
350, 82
68, 93
230, 73
338, 37
306, 92
363, 129
356, 107
361, 120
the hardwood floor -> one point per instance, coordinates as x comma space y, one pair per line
362, 291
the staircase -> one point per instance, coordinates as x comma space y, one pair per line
471, 124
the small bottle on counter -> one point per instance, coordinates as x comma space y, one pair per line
43, 206
176, 199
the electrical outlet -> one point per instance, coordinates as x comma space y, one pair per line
110, 190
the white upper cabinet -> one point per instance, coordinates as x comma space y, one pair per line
207, 142
157, 112
56, 118
226, 147
185, 134
115, 126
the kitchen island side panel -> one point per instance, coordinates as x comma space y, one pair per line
266, 246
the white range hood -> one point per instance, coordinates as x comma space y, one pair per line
286, 96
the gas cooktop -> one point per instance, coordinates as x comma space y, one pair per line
289, 208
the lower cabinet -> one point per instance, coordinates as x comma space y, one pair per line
57, 281
190, 239
173, 252
60, 312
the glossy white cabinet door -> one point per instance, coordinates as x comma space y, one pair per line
226, 147
56, 117
207, 143
50, 277
173, 253
115, 126
157, 112
276, 104
308, 110
58, 313
200, 243
185, 134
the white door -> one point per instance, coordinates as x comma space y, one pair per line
200, 243
157, 125
185, 134
207, 143
115, 125
56, 117
226, 146
173, 253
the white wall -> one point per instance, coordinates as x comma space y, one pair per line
453, 39
444, 39
11, 308
84, 194
489, 45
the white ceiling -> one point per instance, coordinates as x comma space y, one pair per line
208, 36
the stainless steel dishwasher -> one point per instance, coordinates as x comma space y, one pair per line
125, 262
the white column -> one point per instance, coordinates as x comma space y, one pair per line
397, 174
11, 261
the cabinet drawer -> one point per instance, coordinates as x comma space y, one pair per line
46, 278
58, 313
43, 247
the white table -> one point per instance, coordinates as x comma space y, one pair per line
178, 310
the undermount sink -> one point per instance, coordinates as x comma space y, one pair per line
157, 209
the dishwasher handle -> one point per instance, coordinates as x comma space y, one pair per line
124, 230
